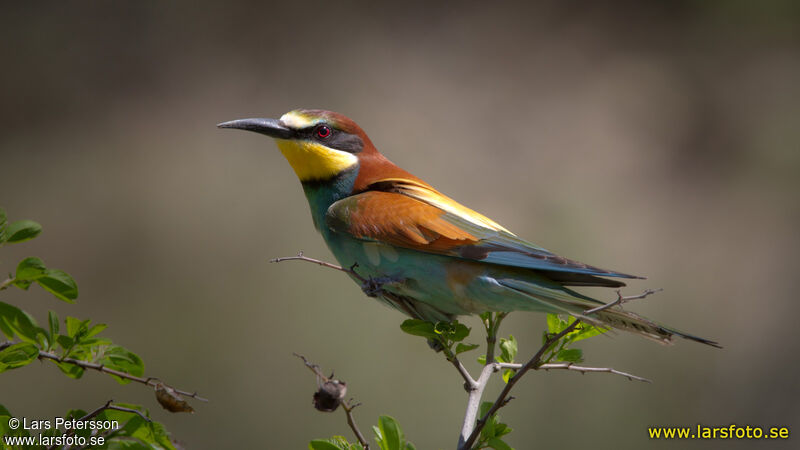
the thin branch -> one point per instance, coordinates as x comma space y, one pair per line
348, 410
300, 257
150, 381
534, 363
313, 367
108, 405
492, 326
97, 411
372, 287
491, 338
469, 383
571, 366
474, 402
346, 405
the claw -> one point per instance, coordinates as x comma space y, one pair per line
373, 287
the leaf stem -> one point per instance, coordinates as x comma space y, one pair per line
5, 284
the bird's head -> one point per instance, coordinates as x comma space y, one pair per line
319, 145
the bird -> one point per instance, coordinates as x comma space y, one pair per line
423, 253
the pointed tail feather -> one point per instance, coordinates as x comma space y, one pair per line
559, 300
634, 323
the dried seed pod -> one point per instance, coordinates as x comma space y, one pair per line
330, 395
171, 400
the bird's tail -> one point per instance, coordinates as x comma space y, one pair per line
634, 323
559, 300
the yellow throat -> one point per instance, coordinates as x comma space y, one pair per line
313, 161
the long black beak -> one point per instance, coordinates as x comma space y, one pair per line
270, 127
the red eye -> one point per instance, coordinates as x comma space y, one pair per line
323, 131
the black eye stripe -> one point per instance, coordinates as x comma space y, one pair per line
334, 138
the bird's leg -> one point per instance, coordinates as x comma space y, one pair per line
373, 286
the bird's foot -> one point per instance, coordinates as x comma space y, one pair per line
373, 287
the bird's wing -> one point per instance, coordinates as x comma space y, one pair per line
411, 215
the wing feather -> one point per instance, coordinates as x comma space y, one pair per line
411, 215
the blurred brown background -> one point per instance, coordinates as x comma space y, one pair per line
657, 138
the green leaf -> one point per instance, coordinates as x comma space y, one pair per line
6, 430
461, 331
76, 328
508, 349
70, 370
461, 348
324, 444
502, 429
65, 341
52, 319
391, 433
119, 358
18, 355
573, 355
585, 331
443, 328
498, 444
55, 281
24, 285
482, 360
96, 329
14, 321
60, 284
151, 433
488, 429
555, 324
507, 374
410, 446
22, 230
378, 437
417, 327
333, 443
451, 331
30, 269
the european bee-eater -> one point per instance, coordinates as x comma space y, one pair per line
438, 259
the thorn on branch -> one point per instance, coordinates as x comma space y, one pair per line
508, 399
353, 405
